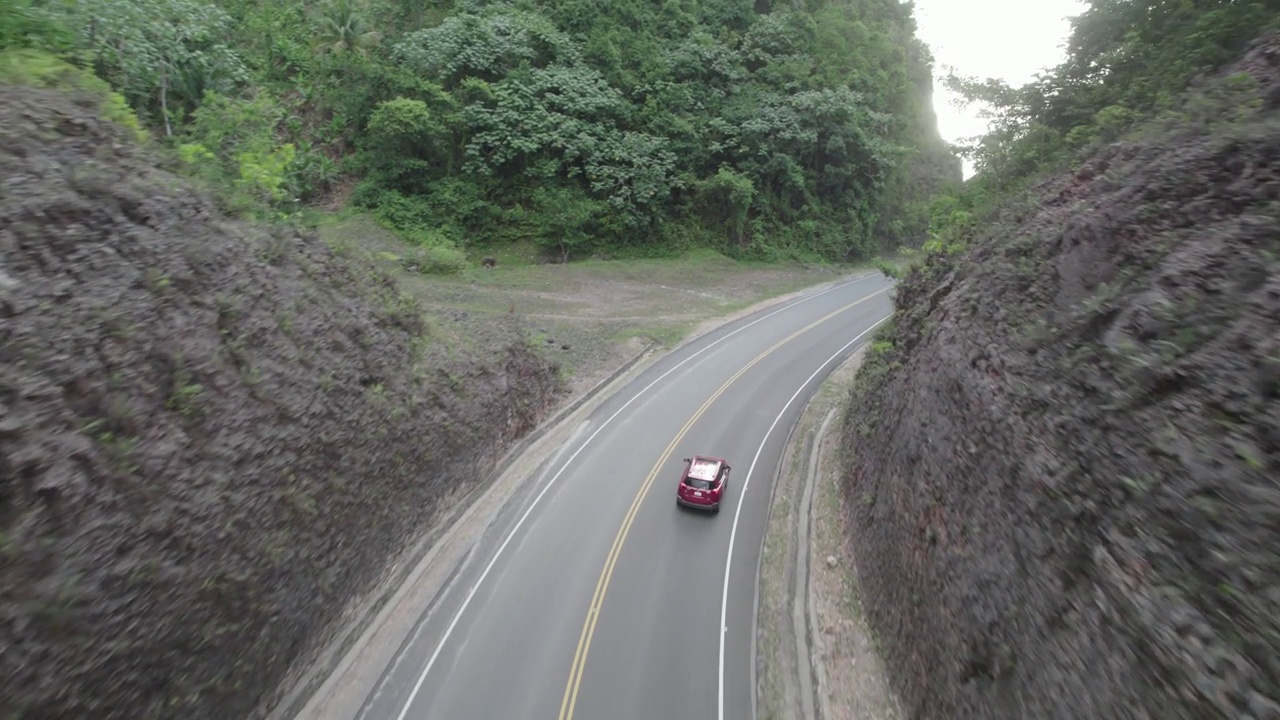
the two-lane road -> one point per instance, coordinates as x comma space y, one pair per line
593, 596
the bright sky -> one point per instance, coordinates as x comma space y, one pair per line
1006, 39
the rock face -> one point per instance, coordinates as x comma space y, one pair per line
212, 435
1065, 454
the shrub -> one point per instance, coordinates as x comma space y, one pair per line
889, 269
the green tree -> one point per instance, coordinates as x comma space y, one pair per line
765, 128
343, 26
1125, 60
162, 55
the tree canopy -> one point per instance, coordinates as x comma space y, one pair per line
762, 129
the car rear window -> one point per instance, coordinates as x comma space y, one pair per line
698, 483
704, 469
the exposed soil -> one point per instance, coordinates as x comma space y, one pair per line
1066, 480
212, 435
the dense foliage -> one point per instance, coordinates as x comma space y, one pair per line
1126, 61
633, 127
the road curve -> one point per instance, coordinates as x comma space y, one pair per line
593, 596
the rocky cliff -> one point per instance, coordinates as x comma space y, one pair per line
1064, 455
212, 435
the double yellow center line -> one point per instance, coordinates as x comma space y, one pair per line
597, 600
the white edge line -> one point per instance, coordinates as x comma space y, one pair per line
737, 513
551, 483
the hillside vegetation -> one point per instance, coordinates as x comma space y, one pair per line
1063, 460
1127, 61
765, 130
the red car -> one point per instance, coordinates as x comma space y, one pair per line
703, 482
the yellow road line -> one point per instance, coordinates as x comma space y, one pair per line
597, 599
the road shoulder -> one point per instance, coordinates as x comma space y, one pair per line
815, 655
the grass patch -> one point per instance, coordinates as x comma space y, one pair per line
434, 260
663, 335
595, 307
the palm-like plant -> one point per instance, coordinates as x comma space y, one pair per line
343, 27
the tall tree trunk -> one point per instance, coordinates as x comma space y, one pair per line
164, 103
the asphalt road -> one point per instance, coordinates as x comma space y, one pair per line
594, 596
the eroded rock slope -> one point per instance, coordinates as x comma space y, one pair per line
212, 435
1065, 454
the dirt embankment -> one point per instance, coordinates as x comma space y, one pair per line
212, 435
1066, 477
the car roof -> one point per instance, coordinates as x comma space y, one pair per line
704, 467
